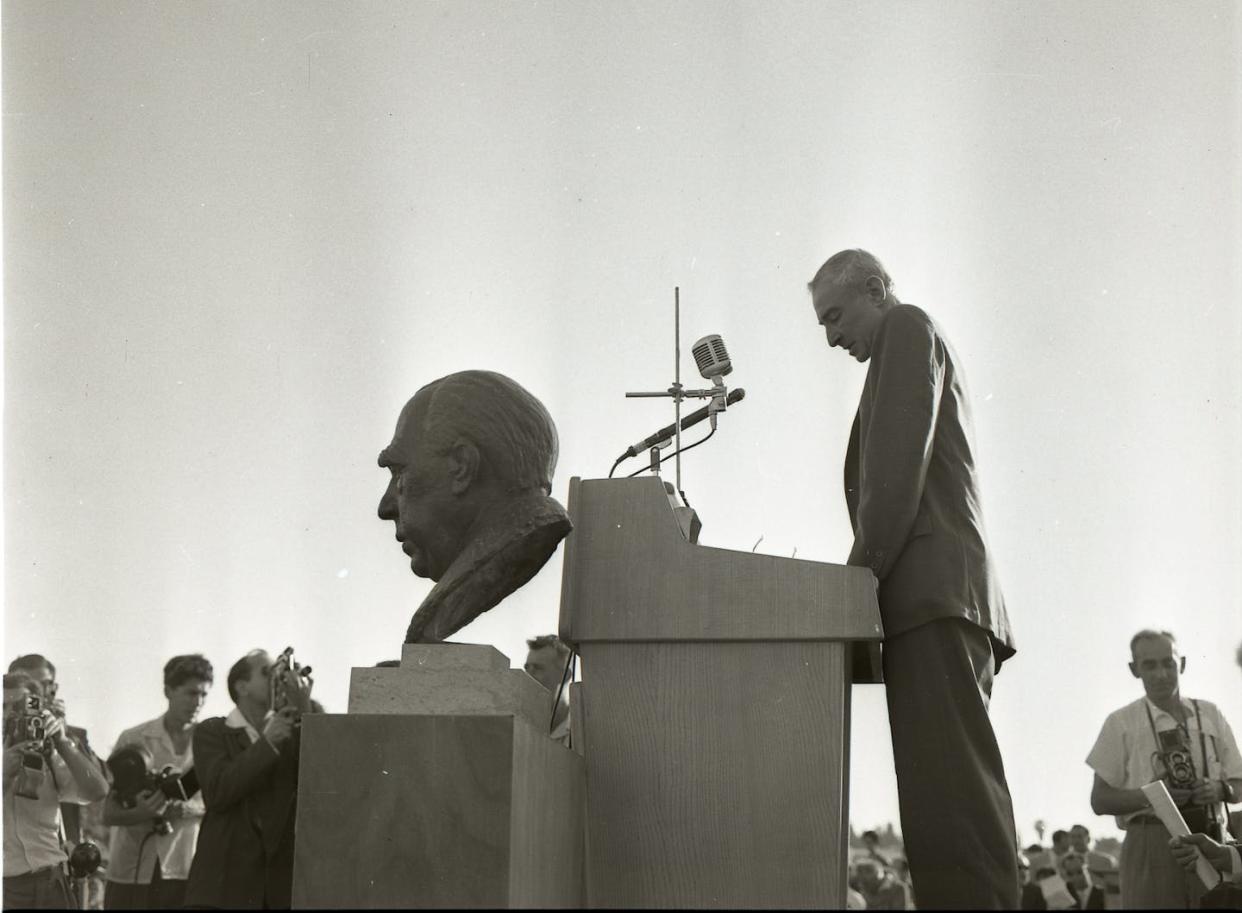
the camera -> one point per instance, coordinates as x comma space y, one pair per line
28, 725
1179, 763
132, 775
284, 662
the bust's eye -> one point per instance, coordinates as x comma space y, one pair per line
833, 315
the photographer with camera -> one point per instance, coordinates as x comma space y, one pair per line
42, 672
42, 768
154, 809
247, 765
1162, 736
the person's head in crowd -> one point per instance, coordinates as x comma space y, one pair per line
850, 294
462, 444
1073, 869
249, 682
870, 874
546, 657
1060, 842
1154, 658
870, 839
1080, 839
40, 670
187, 679
1024, 868
1034, 849
851, 876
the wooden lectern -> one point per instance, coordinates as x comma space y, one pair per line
439, 788
714, 711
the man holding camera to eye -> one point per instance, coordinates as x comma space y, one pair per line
43, 767
42, 673
247, 767
1162, 736
153, 836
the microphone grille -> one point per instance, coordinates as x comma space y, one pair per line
711, 356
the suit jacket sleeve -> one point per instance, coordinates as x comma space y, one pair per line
901, 400
225, 780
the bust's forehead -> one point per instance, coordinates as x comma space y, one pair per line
406, 432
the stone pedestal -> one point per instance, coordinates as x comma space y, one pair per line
439, 788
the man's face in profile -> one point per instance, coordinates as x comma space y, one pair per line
848, 316
545, 666
1079, 838
258, 685
418, 499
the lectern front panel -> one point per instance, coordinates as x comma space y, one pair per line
716, 773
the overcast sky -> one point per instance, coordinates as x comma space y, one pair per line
239, 236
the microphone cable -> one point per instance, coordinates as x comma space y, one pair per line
702, 440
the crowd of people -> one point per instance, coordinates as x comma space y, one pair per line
197, 813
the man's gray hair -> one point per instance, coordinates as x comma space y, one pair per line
513, 431
1151, 634
851, 267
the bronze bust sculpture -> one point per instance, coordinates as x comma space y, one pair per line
471, 460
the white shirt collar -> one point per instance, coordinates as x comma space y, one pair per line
236, 720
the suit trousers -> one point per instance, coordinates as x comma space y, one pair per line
956, 813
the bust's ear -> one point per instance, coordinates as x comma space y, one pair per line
463, 460
1182, 666
1134, 670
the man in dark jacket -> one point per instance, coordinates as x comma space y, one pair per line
913, 497
247, 767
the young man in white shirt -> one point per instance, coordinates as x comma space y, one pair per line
36, 781
153, 837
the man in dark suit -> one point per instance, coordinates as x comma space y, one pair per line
913, 497
247, 767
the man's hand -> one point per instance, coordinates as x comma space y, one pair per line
151, 803
1183, 849
174, 810
54, 728
279, 726
1207, 792
298, 689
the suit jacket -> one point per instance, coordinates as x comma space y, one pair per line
244, 858
912, 488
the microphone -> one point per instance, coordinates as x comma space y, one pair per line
692, 419
711, 356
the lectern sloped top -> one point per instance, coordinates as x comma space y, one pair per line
631, 575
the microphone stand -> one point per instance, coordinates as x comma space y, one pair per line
678, 393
